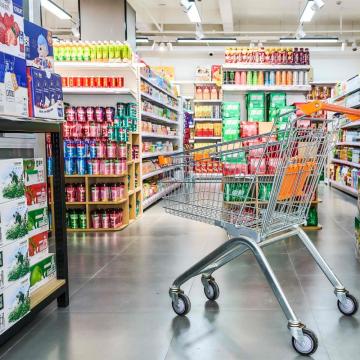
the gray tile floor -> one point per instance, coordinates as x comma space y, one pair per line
120, 308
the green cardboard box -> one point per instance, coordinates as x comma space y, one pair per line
255, 100
231, 110
256, 114
277, 100
42, 271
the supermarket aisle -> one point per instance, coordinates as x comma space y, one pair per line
120, 308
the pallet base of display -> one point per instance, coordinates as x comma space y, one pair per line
44, 291
99, 230
317, 227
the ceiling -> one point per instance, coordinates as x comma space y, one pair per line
165, 20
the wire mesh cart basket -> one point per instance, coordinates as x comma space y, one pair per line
260, 191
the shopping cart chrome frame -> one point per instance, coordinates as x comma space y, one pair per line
250, 229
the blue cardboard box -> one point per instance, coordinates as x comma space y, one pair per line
12, 28
45, 94
38, 47
13, 86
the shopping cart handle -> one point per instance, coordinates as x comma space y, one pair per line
314, 106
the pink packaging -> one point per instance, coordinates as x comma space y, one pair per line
122, 151
117, 167
92, 129
105, 220
104, 192
95, 193
70, 113
272, 165
90, 113
108, 167
114, 192
99, 114
257, 166
95, 219
81, 114
111, 149
100, 149
121, 191
96, 166
248, 128
101, 167
258, 152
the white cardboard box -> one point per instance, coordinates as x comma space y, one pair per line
11, 180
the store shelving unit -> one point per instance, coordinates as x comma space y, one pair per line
80, 96
147, 89
56, 289
344, 145
252, 66
286, 88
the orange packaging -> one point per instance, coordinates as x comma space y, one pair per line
216, 74
289, 78
209, 168
278, 77
206, 93
199, 93
283, 78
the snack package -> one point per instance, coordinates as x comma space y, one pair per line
216, 74
257, 166
12, 28
248, 129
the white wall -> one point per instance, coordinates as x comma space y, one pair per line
327, 65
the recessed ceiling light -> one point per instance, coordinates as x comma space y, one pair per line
309, 40
207, 40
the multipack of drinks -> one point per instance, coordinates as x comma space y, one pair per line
96, 51
284, 56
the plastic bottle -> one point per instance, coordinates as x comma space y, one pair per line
267, 78
93, 56
296, 57
289, 78
118, 51
80, 51
237, 78
306, 57
105, 51
249, 78
243, 78
290, 56
56, 51
272, 78
254, 78
301, 56
111, 51
86, 51
283, 77
275, 56
277, 78
260, 80
261, 55
99, 49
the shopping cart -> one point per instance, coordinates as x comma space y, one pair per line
259, 189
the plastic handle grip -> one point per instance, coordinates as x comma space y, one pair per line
314, 106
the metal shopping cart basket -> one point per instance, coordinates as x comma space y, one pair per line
259, 189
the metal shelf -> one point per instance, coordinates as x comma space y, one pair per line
154, 198
159, 136
343, 96
29, 125
217, 101
349, 190
350, 143
158, 119
352, 124
158, 101
207, 119
155, 154
157, 86
204, 138
88, 65
344, 162
245, 88
97, 91
158, 172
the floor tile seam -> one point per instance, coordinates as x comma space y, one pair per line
308, 304
52, 311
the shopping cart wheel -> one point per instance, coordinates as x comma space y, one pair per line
212, 290
182, 306
308, 346
350, 307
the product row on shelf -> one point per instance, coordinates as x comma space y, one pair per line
26, 262
274, 56
208, 92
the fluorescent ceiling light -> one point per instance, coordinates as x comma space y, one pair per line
169, 46
142, 40
191, 10
310, 40
319, 4
207, 40
162, 47
308, 12
55, 9
300, 33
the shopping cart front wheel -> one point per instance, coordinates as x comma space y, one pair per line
307, 345
181, 304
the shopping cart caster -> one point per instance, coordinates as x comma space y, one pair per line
309, 344
211, 289
348, 307
182, 305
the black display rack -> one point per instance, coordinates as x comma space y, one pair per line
56, 288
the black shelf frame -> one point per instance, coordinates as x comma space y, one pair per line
11, 124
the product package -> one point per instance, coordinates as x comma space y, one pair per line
256, 114
38, 47
38, 246
231, 110
14, 303
312, 219
277, 100
203, 73
248, 129
42, 271
216, 74
14, 263
265, 127
255, 100
38, 221
45, 94
36, 194
13, 85
12, 28
11, 180
34, 171
13, 222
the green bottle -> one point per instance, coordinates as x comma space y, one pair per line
111, 51
93, 51
105, 51
99, 51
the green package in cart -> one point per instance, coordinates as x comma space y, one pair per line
312, 219
264, 191
240, 192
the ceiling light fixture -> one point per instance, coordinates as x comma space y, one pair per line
199, 31
153, 46
318, 4
207, 40
162, 47
55, 9
309, 40
191, 10
142, 40
308, 12
169, 46
343, 46
300, 33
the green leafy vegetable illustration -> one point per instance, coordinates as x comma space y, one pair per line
21, 309
19, 229
16, 187
21, 269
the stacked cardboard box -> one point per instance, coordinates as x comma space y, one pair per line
42, 264
255, 104
231, 120
14, 258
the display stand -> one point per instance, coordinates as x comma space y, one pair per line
89, 96
56, 288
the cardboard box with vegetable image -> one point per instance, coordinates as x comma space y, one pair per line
12, 28
13, 222
14, 262
14, 303
42, 272
11, 180
38, 220
36, 195
38, 247
34, 171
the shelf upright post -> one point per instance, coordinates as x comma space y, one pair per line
60, 213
